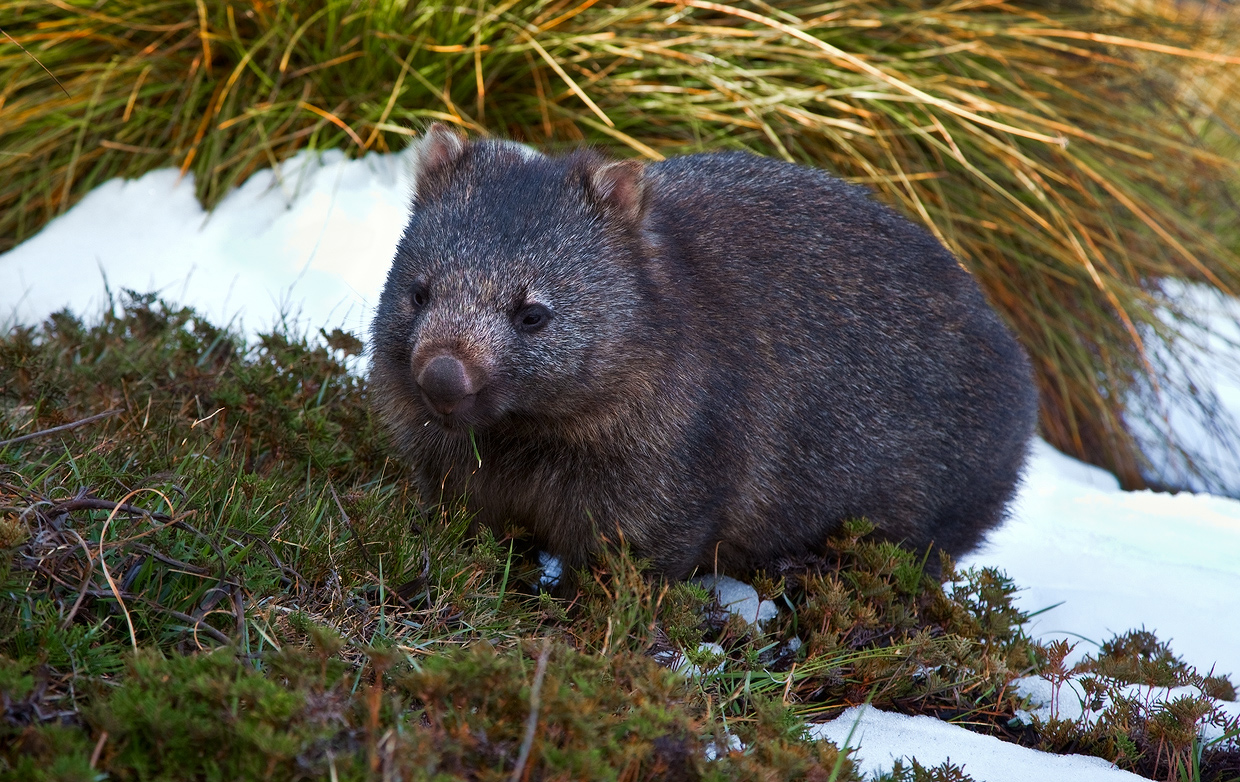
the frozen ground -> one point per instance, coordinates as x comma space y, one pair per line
881, 738
1212, 332
314, 244
1111, 561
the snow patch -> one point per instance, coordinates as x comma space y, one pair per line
312, 240
1106, 561
739, 598
1207, 359
552, 569
881, 738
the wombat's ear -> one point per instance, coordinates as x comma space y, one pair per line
437, 152
619, 188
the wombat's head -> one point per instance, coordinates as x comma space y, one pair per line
517, 290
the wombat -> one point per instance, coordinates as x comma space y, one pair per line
718, 358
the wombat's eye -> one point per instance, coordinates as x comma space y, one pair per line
531, 318
419, 295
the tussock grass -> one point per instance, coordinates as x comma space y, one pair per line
1071, 154
226, 578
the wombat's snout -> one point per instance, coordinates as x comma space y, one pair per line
447, 384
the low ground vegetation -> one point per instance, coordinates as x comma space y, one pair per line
226, 577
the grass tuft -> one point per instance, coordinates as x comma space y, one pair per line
1072, 155
227, 579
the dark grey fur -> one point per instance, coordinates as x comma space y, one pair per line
734, 354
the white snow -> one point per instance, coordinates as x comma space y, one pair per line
1208, 359
552, 569
739, 598
882, 737
713, 750
1111, 561
314, 243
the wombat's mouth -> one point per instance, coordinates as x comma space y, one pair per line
460, 418
462, 406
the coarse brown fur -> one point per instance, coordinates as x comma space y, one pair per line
720, 356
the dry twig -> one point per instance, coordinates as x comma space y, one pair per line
61, 428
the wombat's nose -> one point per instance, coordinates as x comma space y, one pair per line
445, 382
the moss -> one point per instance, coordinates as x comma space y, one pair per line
296, 615
460, 715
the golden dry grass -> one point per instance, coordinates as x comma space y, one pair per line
1072, 155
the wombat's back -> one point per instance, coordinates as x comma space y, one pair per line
856, 367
